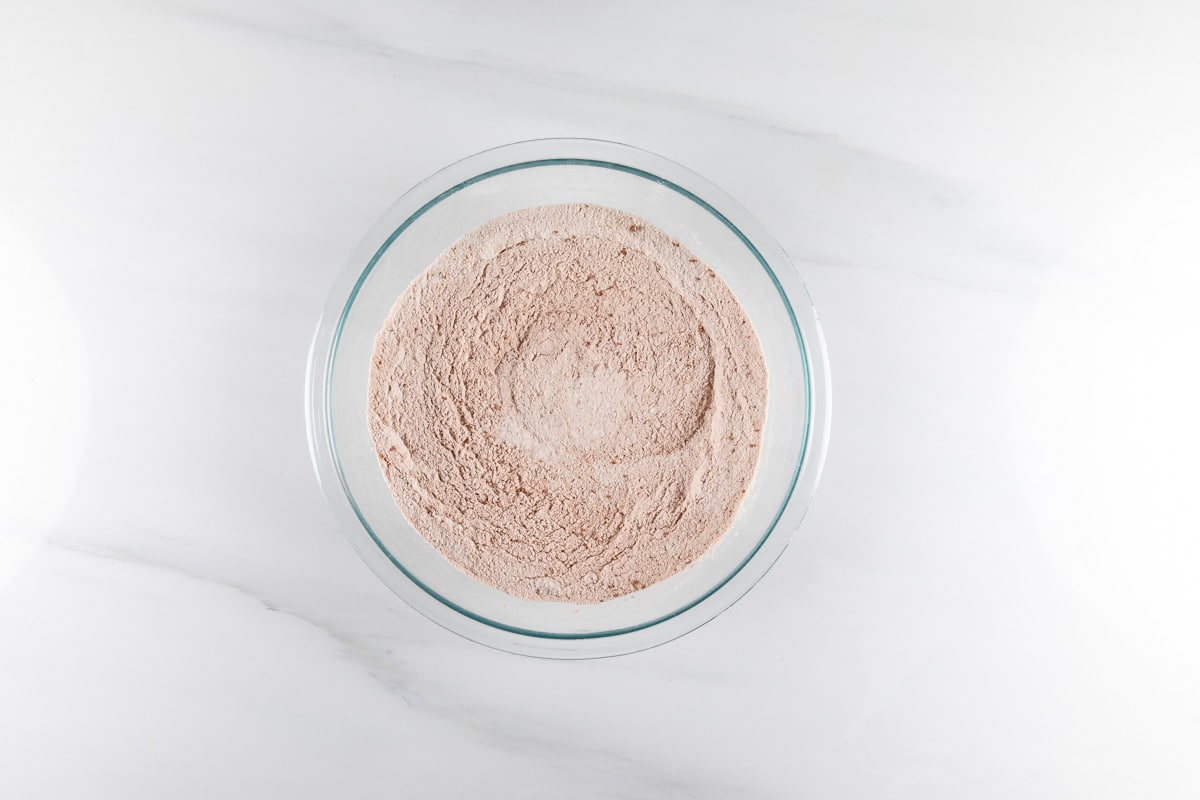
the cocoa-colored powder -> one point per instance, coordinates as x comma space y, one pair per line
567, 404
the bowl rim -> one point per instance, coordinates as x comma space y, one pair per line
459, 175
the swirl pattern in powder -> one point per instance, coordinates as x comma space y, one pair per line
567, 404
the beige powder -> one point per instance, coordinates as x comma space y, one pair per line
567, 404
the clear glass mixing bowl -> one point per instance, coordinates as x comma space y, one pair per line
456, 200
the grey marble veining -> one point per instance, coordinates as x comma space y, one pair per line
993, 207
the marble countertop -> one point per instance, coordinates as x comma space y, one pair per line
994, 207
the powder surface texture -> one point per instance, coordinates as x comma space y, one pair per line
567, 404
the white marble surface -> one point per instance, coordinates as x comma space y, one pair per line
995, 207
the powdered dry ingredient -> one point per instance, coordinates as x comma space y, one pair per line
567, 404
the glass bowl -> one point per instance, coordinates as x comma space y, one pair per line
458, 199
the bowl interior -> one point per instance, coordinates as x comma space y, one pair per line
474, 200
